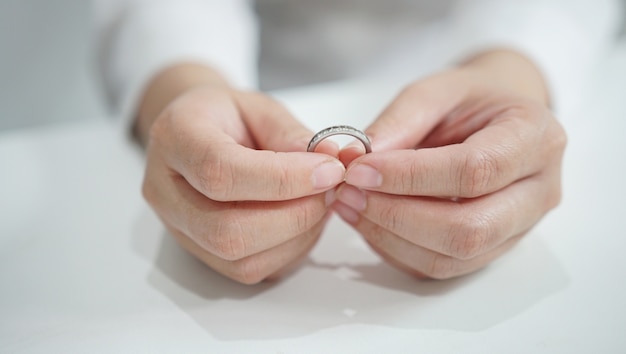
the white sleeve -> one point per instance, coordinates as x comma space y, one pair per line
137, 38
565, 38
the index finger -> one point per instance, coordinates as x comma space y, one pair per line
232, 172
222, 169
507, 149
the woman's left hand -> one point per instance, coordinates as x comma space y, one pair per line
464, 163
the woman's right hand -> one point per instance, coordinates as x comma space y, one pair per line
228, 175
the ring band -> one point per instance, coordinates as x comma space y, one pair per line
337, 130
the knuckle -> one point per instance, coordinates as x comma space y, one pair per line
301, 218
554, 195
554, 198
559, 138
216, 175
417, 89
478, 171
161, 126
375, 235
284, 186
409, 180
225, 237
469, 237
393, 217
247, 271
441, 267
555, 135
149, 192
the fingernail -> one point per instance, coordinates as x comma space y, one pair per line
364, 176
352, 197
327, 175
346, 213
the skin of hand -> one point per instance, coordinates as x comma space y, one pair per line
464, 163
228, 174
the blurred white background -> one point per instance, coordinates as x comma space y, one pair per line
47, 72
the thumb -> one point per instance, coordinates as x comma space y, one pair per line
413, 114
274, 128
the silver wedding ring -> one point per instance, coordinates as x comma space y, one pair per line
339, 130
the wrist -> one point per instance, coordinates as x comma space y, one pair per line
165, 86
511, 70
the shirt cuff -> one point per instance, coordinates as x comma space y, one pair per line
149, 36
564, 39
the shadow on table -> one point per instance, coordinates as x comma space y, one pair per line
324, 294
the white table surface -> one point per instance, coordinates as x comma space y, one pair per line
86, 267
